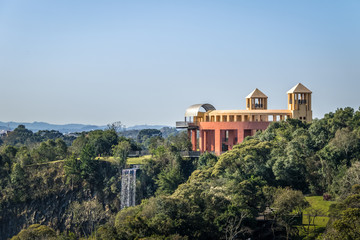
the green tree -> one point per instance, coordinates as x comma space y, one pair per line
288, 205
44, 135
144, 134
319, 132
9, 152
88, 164
72, 170
348, 226
350, 177
206, 160
79, 143
86, 215
18, 182
168, 180
23, 156
154, 144
61, 149
345, 140
106, 232
121, 152
46, 152
341, 119
345, 219
36, 231
116, 126
180, 142
17, 176
247, 159
20, 136
102, 141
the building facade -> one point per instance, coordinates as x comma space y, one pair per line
219, 130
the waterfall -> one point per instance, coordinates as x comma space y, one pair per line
128, 187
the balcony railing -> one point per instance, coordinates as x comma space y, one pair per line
184, 124
138, 153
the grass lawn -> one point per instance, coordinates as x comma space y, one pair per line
44, 163
134, 160
107, 159
316, 202
138, 160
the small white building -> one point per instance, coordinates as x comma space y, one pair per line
4, 132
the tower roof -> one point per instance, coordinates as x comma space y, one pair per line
256, 94
299, 88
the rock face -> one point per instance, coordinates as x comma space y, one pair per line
62, 207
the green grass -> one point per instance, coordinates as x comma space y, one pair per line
319, 221
316, 202
133, 160
44, 163
138, 160
107, 159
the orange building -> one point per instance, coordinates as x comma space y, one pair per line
219, 130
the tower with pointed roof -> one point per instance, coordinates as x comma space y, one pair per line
299, 102
256, 100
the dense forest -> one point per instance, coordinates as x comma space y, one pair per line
53, 187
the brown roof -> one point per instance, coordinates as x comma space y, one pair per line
299, 88
256, 94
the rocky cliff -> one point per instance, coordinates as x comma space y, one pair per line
48, 200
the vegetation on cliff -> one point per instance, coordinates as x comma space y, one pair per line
254, 191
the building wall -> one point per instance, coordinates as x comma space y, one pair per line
212, 135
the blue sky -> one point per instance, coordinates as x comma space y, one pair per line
145, 62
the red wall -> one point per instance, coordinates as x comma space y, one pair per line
214, 133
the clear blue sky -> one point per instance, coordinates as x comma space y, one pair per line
145, 62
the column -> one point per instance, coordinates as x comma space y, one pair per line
288, 101
231, 139
205, 144
240, 135
201, 141
212, 140
193, 139
217, 142
293, 101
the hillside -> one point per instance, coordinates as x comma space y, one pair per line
270, 186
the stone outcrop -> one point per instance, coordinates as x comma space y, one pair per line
51, 202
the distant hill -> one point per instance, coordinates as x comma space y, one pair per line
139, 127
36, 126
67, 128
